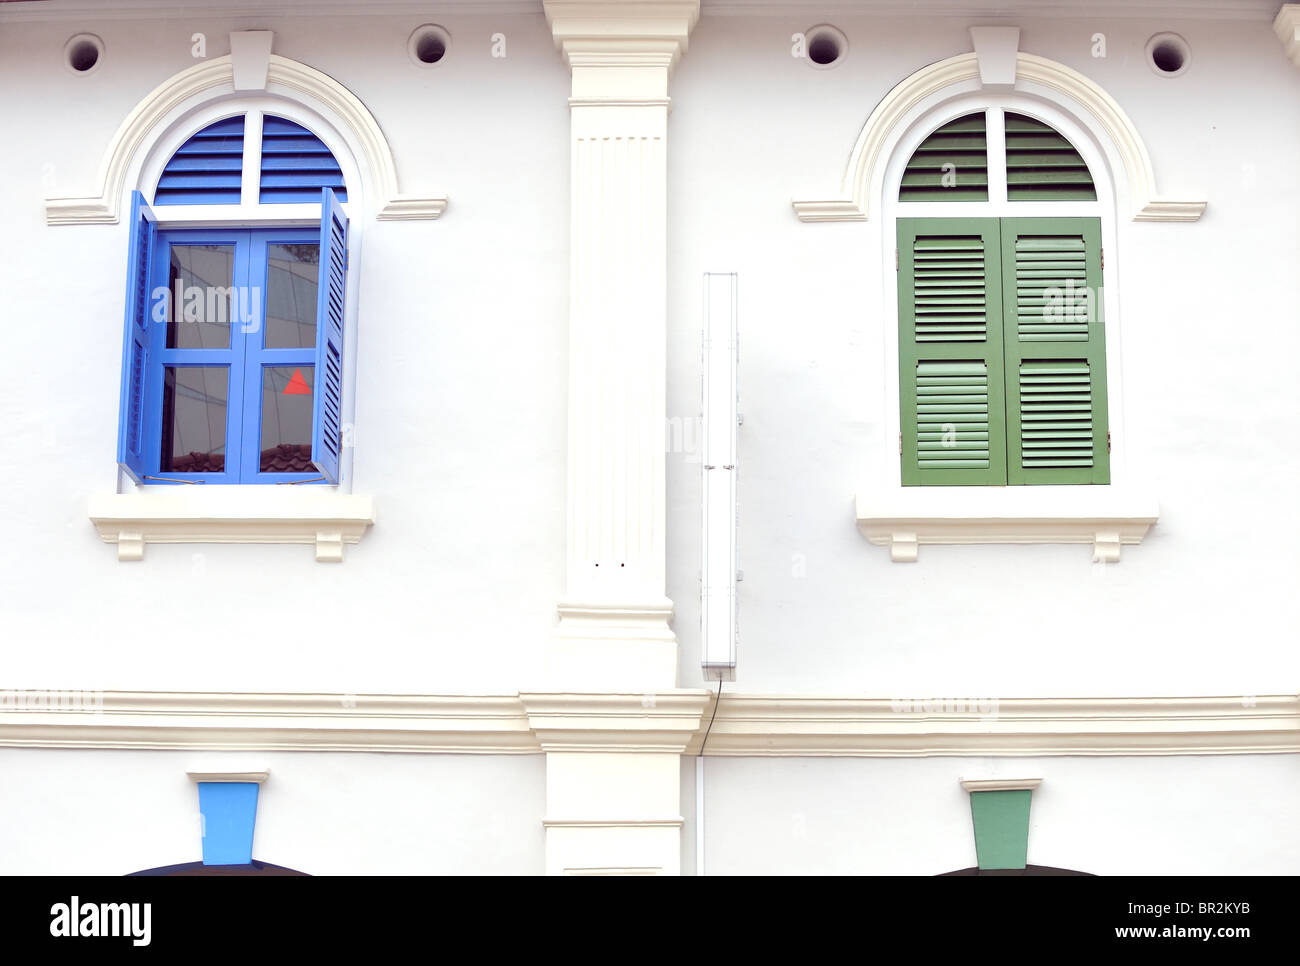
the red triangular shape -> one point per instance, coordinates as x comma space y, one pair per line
297, 385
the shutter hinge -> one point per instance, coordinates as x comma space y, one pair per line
1103, 258
900, 444
895, 259
1108, 441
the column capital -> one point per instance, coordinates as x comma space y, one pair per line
1287, 27
622, 33
662, 722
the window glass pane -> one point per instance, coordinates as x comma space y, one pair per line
287, 398
201, 283
194, 419
291, 296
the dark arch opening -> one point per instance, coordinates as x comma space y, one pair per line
1027, 870
198, 868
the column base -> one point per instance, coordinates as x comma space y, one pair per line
613, 769
650, 846
616, 647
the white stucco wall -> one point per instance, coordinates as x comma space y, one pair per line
1208, 329
460, 385
460, 436
324, 814
1112, 816
461, 368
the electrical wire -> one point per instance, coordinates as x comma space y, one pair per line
716, 701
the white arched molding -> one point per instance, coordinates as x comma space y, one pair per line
216, 78
865, 172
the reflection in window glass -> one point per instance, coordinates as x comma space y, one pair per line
292, 273
201, 286
287, 398
194, 419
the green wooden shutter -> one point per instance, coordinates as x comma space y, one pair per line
1055, 351
950, 165
951, 352
1042, 165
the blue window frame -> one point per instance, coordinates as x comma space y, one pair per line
232, 359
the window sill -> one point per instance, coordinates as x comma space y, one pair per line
906, 517
233, 514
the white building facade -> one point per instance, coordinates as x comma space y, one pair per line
415, 547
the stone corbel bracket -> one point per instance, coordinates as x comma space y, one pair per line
215, 514
1000, 784
904, 523
904, 537
256, 776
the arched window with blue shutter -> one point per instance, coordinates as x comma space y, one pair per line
233, 349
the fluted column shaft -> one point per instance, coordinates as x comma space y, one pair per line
614, 617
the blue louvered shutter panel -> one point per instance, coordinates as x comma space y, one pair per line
207, 169
327, 427
296, 164
135, 343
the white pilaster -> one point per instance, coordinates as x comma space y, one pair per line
613, 769
611, 723
1287, 27
614, 631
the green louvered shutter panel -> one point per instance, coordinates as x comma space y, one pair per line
1042, 165
951, 351
950, 165
1055, 351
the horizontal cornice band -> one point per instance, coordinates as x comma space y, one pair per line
745, 725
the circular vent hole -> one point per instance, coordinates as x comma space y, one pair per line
826, 45
1168, 54
428, 44
430, 49
82, 53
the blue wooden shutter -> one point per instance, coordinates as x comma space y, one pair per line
296, 164
327, 434
207, 169
135, 343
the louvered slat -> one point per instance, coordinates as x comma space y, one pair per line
1056, 427
961, 143
950, 289
952, 415
206, 169
1042, 165
1052, 300
296, 164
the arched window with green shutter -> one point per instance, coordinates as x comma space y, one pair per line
1002, 346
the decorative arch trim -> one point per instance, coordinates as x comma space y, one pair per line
870, 153
153, 110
